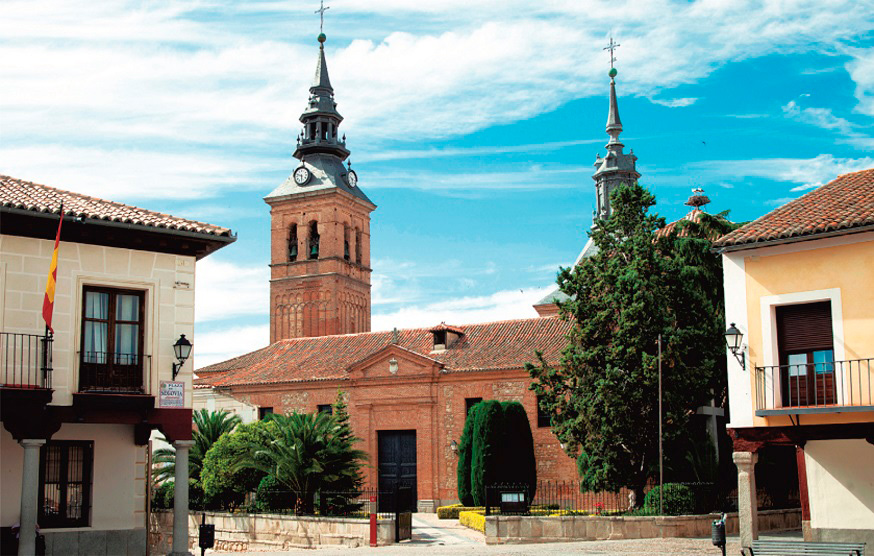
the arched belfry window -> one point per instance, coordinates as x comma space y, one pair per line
358, 246
346, 242
292, 243
314, 240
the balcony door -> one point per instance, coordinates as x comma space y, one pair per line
111, 356
804, 336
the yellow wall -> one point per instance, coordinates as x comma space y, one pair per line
797, 268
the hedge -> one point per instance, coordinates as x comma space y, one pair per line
678, 499
474, 520
465, 454
451, 512
487, 465
518, 448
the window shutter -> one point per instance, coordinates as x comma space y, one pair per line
804, 327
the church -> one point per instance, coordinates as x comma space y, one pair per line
408, 391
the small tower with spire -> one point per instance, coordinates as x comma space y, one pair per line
320, 228
616, 167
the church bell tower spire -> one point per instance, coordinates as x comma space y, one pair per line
616, 167
320, 228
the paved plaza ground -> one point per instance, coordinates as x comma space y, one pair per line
446, 537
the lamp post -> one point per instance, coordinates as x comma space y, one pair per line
182, 349
733, 338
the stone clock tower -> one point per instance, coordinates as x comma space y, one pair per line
319, 230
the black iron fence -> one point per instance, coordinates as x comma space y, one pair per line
567, 498
816, 384
113, 372
26, 360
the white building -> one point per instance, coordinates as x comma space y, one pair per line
78, 408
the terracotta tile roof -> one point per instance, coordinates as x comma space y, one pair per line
842, 204
20, 194
487, 346
694, 216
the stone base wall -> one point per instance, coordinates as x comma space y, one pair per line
843, 535
88, 542
263, 532
532, 529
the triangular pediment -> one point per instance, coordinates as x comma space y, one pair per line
394, 361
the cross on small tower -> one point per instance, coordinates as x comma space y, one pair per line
321, 12
611, 46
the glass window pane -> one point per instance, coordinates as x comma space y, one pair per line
127, 307
797, 364
126, 343
94, 348
824, 361
96, 305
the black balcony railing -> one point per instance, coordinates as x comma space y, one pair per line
835, 384
26, 360
101, 371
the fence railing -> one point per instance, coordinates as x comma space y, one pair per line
113, 372
566, 497
26, 360
819, 384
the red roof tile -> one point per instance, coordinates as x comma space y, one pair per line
487, 346
19, 194
845, 203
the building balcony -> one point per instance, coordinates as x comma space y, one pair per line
113, 373
26, 361
820, 387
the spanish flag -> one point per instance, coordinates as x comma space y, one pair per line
48, 303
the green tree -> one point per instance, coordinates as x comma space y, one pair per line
487, 449
465, 454
208, 427
603, 396
307, 453
518, 448
223, 486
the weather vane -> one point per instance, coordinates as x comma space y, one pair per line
611, 47
321, 12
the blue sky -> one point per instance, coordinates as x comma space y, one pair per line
472, 126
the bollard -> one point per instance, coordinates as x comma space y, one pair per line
373, 521
718, 533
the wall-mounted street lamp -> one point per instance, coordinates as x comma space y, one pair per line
454, 447
182, 349
733, 338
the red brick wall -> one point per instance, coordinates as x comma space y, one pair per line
328, 295
427, 401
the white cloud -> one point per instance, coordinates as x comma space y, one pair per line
123, 173
675, 102
861, 69
824, 118
214, 346
807, 172
502, 305
227, 290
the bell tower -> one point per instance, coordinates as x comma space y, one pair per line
319, 230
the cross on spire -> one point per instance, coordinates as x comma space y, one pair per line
321, 12
611, 46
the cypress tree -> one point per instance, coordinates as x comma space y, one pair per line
488, 442
465, 454
518, 448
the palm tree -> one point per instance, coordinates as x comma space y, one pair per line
208, 427
308, 453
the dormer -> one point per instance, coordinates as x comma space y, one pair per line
445, 336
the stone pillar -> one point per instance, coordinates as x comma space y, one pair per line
180, 502
747, 505
29, 496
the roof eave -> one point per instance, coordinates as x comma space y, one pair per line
793, 239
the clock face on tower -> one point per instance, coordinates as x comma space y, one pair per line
301, 175
352, 178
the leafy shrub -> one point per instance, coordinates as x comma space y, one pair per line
159, 495
226, 484
678, 499
195, 494
451, 512
474, 520
270, 496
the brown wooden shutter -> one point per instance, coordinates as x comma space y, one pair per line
804, 327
